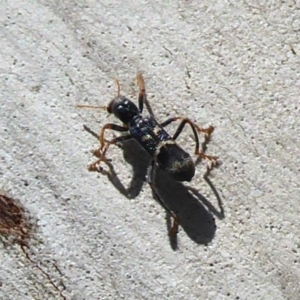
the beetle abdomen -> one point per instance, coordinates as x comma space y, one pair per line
175, 161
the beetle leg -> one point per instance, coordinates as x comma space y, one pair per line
195, 128
142, 95
150, 180
100, 153
112, 127
208, 131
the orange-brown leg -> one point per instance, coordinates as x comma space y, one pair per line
112, 127
142, 99
142, 91
101, 153
195, 128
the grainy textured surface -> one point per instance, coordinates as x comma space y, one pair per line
234, 65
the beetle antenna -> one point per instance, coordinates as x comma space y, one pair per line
90, 106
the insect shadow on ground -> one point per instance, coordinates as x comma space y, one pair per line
196, 213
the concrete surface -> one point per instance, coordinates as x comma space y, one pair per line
231, 64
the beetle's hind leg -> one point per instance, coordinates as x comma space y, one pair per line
150, 180
195, 128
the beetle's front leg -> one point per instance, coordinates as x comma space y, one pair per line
142, 99
110, 126
101, 153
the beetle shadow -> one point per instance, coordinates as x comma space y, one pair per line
131, 150
195, 212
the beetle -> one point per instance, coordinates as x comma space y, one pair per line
152, 136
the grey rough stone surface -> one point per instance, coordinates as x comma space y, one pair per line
231, 64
